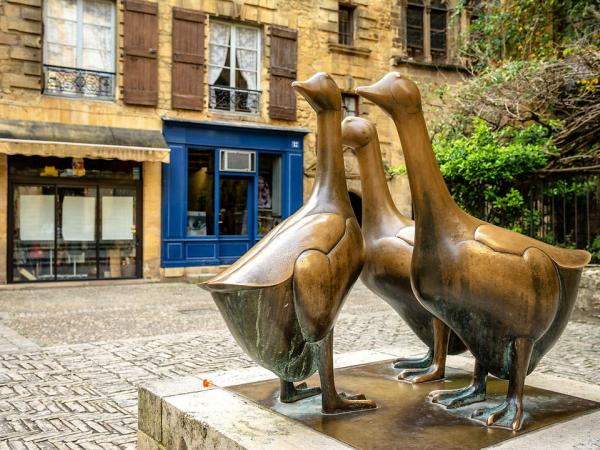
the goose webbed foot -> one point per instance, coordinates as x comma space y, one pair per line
352, 396
473, 393
342, 403
456, 398
509, 415
431, 373
290, 393
414, 363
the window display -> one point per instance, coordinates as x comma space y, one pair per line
269, 192
201, 182
71, 220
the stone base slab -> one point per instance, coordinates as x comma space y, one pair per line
184, 414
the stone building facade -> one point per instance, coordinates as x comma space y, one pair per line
158, 69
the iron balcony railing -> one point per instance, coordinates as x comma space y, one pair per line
79, 82
225, 98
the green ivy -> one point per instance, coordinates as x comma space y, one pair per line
484, 168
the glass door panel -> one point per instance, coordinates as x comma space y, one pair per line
33, 243
233, 201
76, 233
118, 233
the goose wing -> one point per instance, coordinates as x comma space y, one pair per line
272, 262
507, 241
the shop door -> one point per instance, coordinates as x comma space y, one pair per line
236, 208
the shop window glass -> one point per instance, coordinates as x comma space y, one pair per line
201, 193
33, 233
117, 233
65, 229
76, 233
233, 201
269, 192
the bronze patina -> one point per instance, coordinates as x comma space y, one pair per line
389, 241
507, 296
281, 299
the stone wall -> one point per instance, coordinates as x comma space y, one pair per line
588, 300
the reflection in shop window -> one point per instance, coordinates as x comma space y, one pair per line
201, 182
269, 192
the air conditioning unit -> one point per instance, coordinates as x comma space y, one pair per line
238, 161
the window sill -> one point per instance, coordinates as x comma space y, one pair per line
349, 50
400, 60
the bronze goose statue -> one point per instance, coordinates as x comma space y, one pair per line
507, 296
282, 298
389, 240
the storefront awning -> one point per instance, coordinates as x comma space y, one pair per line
80, 141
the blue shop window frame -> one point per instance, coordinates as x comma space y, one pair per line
180, 250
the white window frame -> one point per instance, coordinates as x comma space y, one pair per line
232, 52
79, 41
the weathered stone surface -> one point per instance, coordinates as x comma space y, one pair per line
588, 299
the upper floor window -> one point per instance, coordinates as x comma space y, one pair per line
349, 105
234, 68
414, 29
345, 24
79, 48
438, 31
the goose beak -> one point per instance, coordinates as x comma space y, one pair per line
371, 93
308, 89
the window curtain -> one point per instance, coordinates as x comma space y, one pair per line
98, 36
60, 33
219, 48
246, 56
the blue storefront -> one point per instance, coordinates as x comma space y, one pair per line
226, 186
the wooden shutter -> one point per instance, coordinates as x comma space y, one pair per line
187, 84
140, 71
284, 43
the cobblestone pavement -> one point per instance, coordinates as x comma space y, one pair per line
78, 389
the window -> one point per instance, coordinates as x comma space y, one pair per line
414, 30
79, 43
269, 193
438, 31
345, 24
233, 68
201, 193
349, 105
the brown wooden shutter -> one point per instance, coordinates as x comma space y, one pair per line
140, 71
284, 44
187, 84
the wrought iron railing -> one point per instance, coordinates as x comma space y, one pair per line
224, 98
79, 82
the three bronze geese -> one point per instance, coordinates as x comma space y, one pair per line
446, 274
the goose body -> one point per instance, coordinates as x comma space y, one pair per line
507, 296
281, 299
389, 242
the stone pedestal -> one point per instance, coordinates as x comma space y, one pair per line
239, 410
